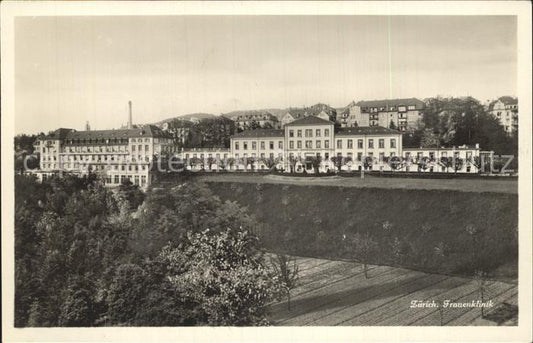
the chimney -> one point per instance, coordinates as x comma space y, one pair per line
130, 123
87, 126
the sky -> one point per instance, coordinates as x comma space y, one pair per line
69, 70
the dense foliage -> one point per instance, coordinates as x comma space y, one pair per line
457, 121
89, 256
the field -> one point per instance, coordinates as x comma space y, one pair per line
436, 231
496, 185
337, 293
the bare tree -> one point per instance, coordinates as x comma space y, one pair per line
286, 269
481, 281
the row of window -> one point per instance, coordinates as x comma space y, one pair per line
309, 133
391, 108
360, 142
217, 156
262, 145
76, 165
262, 155
97, 158
432, 155
309, 144
118, 179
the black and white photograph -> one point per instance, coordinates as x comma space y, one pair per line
231, 167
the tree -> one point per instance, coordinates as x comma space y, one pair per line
364, 246
210, 162
270, 162
446, 162
224, 276
249, 161
392, 125
338, 161
429, 139
292, 163
286, 270
316, 161
368, 162
395, 162
481, 282
457, 164
230, 162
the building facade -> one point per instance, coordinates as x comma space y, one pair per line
505, 109
253, 120
114, 155
401, 114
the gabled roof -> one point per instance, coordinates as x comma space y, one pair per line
260, 133
310, 120
506, 100
419, 104
366, 130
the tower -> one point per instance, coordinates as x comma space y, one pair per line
130, 120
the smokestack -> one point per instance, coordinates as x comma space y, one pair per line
87, 127
130, 123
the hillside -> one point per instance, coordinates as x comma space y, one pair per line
447, 232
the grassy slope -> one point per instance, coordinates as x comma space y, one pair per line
315, 221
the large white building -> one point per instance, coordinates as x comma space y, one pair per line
505, 109
114, 155
301, 143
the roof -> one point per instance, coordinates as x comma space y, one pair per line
419, 104
260, 133
310, 120
256, 115
366, 130
188, 117
60, 134
143, 131
508, 100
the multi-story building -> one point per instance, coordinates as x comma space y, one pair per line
322, 111
115, 155
505, 109
258, 145
401, 114
444, 160
255, 119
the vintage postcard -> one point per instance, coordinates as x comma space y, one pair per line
266, 171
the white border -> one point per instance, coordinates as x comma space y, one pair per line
314, 334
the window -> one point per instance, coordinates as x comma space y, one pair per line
299, 133
371, 144
291, 145
116, 179
432, 155
350, 143
309, 133
271, 145
411, 107
381, 156
326, 156
245, 145
339, 144
143, 180
381, 143
262, 155
236, 145
393, 143
469, 154
254, 145
317, 132
326, 132
360, 144
359, 156
291, 133
309, 144
299, 144
326, 144
317, 145
350, 155
262, 145
136, 180
280, 145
